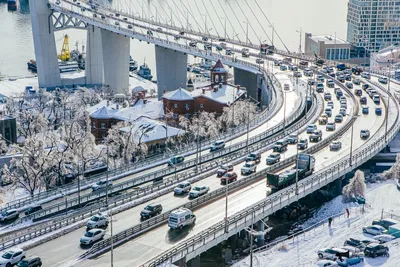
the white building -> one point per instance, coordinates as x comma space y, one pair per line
327, 46
373, 24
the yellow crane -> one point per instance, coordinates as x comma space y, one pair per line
65, 54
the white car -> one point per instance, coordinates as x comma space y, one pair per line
198, 191
327, 263
217, 145
329, 253
249, 167
6, 215
384, 238
335, 145
92, 236
11, 257
374, 230
101, 185
99, 220
182, 188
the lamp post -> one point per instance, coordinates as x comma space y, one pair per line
66, 200
284, 112
107, 179
273, 30
226, 206
351, 142
224, 26
388, 108
297, 166
247, 31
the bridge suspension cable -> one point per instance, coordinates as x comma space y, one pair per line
251, 26
230, 23
237, 19
256, 17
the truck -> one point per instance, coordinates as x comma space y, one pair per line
305, 167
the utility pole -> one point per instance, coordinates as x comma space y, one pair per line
297, 167
112, 241
107, 178
226, 207
251, 240
300, 40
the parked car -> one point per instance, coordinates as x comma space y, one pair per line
358, 243
7, 215
33, 209
249, 167
335, 145
229, 178
330, 126
329, 253
92, 236
98, 221
101, 184
374, 230
273, 158
198, 191
217, 145
376, 250
12, 257
385, 223
355, 259
254, 157
293, 139
182, 188
302, 144
224, 169
33, 261
326, 263
151, 210
384, 238
364, 134
311, 128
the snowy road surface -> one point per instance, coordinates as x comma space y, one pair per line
302, 250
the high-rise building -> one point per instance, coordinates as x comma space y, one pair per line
373, 24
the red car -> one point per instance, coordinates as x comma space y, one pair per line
224, 169
228, 178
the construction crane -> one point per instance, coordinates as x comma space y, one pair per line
65, 54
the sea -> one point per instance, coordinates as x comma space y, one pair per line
243, 19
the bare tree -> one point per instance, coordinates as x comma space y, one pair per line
394, 171
356, 187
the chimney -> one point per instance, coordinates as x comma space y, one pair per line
215, 89
164, 92
204, 91
220, 85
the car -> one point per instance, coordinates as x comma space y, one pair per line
375, 250
101, 184
286, 87
326, 263
365, 110
229, 178
254, 157
323, 119
277, 62
176, 160
311, 128
363, 100
343, 105
348, 78
192, 44
182, 188
130, 26
328, 111
365, 86
320, 87
259, 61
339, 118
297, 74
349, 85
224, 169
33, 261
353, 260
273, 158
177, 37
229, 52
384, 238
311, 82
383, 80
98, 221
283, 67
358, 92
341, 78
117, 23
357, 243
330, 104
374, 230
292, 139
204, 38
316, 136
12, 257
335, 145
356, 81
249, 167
92, 236
151, 210
366, 75
385, 223
32, 209
302, 144
198, 191
342, 112
220, 144
329, 253
94, 15
330, 126
7, 215
327, 96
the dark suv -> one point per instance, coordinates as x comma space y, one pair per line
150, 211
375, 250
254, 157
30, 262
33, 209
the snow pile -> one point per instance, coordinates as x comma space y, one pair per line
302, 249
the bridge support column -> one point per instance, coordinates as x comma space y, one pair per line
251, 81
181, 263
44, 45
338, 186
195, 262
116, 60
171, 70
260, 237
94, 69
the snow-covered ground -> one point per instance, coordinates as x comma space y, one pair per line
302, 250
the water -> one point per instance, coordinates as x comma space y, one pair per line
316, 16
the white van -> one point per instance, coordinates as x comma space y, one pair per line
180, 218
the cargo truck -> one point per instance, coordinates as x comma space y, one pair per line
305, 168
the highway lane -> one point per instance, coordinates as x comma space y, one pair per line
143, 248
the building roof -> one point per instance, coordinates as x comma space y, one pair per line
154, 130
328, 39
219, 67
103, 113
150, 109
226, 95
179, 94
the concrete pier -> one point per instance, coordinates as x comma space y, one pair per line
94, 70
260, 237
171, 70
44, 45
116, 60
249, 80
195, 262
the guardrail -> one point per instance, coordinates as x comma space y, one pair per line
276, 201
145, 194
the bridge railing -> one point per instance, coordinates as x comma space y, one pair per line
204, 240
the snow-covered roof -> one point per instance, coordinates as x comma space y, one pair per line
226, 95
138, 89
179, 94
219, 67
103, 113
155, 130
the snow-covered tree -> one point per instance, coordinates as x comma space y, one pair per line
394, 171
238, 113
356, 187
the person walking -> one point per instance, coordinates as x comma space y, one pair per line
348, 213
330, 221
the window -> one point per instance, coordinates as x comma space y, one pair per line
175, 115
93, 124
201, 105
175, 105
102, 125
187, 217
187, 106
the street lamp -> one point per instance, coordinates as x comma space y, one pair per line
247, 31
388, 94
66, 200
273, 30
224, 25
284, 112
351, 141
